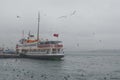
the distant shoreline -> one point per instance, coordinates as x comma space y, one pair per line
102, 50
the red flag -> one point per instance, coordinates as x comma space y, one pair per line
55, 35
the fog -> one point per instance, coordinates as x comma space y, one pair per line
81, 24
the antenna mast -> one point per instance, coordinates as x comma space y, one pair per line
38, 25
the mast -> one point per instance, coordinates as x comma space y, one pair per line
38, 26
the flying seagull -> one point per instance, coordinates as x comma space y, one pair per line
100, 41
73, 13
18, 16
77, 44
62, 17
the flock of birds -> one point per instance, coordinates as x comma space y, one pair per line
64, 16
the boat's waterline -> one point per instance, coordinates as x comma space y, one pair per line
44, 56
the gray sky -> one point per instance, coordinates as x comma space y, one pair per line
81, 24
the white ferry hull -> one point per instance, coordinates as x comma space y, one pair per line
44, 56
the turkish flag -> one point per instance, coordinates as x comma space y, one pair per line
55, 35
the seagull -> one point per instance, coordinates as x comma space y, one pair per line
62, 17
77, 44
18, 16
73, 13
93, 33
100, 41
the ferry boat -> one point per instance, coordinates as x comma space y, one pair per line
38, 48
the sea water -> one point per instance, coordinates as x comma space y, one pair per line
74, 66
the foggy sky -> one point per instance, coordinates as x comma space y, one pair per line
81, 24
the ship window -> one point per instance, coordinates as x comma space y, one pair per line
58, 50
42, 50
34, 49
54, 51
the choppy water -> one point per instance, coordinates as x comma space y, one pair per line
74, 66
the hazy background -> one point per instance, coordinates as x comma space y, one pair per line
81, 24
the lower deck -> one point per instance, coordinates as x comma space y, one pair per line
43, 56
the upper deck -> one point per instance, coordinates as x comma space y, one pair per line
41, 44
